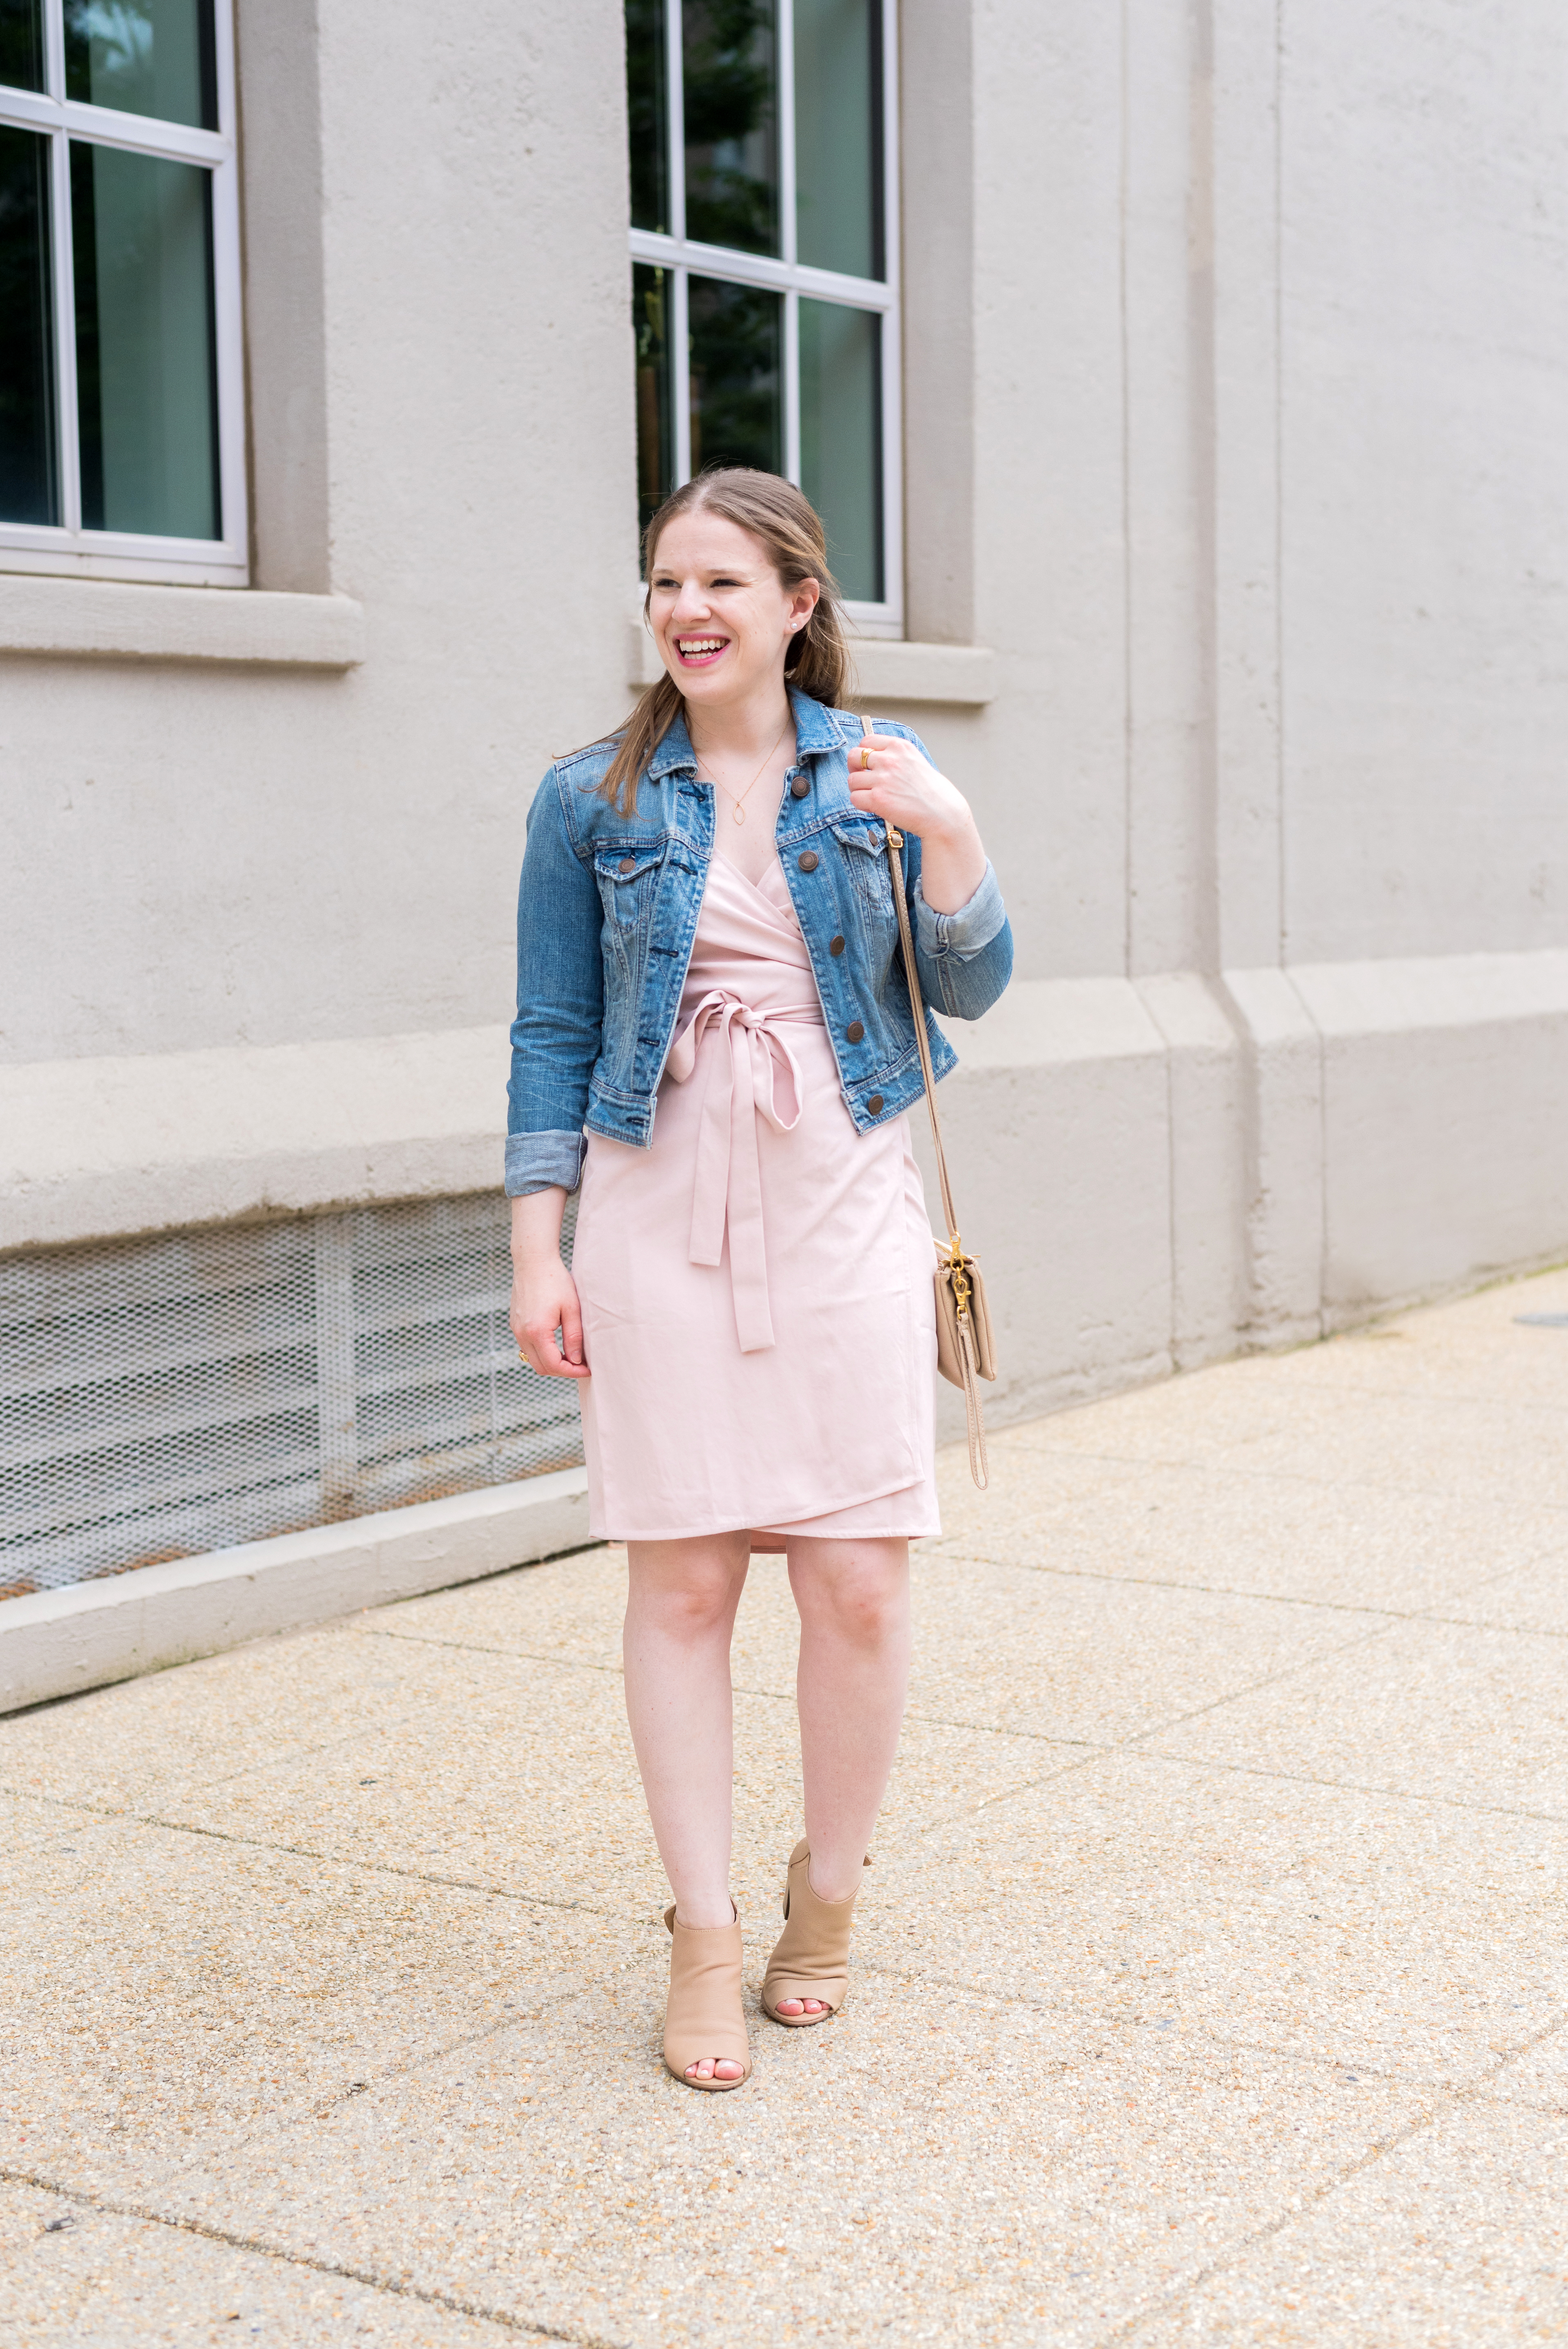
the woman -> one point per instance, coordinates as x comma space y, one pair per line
711, 1004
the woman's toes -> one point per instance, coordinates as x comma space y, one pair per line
703, 2071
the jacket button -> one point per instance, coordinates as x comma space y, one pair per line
809, 863
835, 946
854, 1031
875, 1105
628, 865
800, 787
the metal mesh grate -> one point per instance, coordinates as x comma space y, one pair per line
160, 1398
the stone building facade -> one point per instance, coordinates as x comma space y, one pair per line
1224, 510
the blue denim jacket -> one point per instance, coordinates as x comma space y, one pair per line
608, 909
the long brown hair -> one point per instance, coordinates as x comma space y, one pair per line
790, 531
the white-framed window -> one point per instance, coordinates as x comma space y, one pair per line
121, 367
765, 262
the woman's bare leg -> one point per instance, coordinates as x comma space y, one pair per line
680, 1615
853, 1677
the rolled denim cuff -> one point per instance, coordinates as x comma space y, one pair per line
536, 1160
970, 929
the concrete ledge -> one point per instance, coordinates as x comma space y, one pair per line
104, 619
100, 1149
886, 669
57, 1642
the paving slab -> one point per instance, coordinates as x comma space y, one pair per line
874, 2176
1059, 1656
1366, 1933
71, 2275
1472, 1713
1455, 2239
1210, 1983
1278, 1537
166, 1991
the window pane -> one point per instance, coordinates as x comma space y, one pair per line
656, 410
146, 385
838, 135
648, 114
27, 492
840, 439
144, 56
737, 405
22, 43
731, 66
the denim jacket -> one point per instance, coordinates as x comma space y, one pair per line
608, 909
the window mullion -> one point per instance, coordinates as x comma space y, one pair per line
792, 387
679, 322
891, 127
786, 53
227, 318
103, 126
786, 249
891, 327
674, 87
55, 49
67, 435
680, 374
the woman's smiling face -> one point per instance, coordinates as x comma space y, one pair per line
721, 616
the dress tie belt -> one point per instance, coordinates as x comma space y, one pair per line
747, 1076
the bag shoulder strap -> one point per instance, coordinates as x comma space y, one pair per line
917, 1009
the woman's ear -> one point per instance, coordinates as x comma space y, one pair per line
803, 602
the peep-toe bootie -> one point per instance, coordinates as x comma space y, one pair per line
811, 1956
703, 2015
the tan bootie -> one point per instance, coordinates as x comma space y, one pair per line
703, 2015
812, 1957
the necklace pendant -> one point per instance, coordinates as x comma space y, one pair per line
740, 816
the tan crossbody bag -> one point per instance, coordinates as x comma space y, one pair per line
964, 1351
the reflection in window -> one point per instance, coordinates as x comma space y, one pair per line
141, 229
655, 411
22, 43
648, 114
840, 439
28, 470
838, 135
731, 146
737, 410
144, 56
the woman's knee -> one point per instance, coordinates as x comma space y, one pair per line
863, 1599
686, 1597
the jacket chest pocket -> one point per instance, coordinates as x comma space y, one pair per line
628, 879
864, 847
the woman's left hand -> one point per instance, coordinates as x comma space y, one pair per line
904, 788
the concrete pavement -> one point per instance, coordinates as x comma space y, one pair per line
1212, 1981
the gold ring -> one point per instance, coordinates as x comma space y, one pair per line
865, 756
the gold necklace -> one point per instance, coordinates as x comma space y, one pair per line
757, 778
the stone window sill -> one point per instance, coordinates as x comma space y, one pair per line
100, 619
886, 669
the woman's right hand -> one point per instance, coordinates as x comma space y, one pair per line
543, 1293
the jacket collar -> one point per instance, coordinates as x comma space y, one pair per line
816, 729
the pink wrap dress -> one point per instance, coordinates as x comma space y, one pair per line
757, 1285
